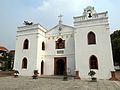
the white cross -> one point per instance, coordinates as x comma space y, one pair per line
60, 16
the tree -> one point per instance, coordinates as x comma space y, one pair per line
6, 59
115, 39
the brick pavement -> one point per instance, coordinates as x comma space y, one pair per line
27, 83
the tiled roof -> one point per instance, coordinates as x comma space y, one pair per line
12, 52
3, 48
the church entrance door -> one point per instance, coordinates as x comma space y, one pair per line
42, 67
60, 65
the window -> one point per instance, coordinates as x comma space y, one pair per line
43, 46
60, 44
91, 38
93, 62
26, 44
24, 63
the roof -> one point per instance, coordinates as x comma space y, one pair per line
3, 48
58, 25
12, 52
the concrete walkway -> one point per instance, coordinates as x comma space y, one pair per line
27, 83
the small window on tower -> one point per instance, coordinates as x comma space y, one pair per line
26, 44
43, 46
91, 38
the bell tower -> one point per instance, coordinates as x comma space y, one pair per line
30, 48
92, 44
89, 11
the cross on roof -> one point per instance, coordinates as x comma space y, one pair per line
60, 22
60, 16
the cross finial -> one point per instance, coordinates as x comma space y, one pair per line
60, 16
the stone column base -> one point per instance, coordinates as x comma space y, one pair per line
113, 76
77, 75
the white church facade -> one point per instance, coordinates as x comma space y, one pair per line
65, 49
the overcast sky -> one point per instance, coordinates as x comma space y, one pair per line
45, 12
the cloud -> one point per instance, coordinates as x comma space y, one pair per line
45, 5
48, 10
63, 5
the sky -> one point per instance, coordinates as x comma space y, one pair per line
14, 12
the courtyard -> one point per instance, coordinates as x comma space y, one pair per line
27, 83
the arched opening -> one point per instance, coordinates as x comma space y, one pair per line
42, 67
93, 62
26, 44
60, 66
60, 44
24, 63
91, 38
43, 46
89, 13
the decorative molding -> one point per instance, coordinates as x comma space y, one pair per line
60, 52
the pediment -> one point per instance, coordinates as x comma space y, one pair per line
64, 29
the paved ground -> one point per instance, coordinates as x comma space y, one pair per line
27, 83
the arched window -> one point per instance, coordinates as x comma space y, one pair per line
43, 46
24, 63
91, 38
60, 44
26, 44
93, 62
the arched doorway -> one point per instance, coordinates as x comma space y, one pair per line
42, 67
60, 66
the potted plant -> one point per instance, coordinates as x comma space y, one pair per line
16, 73
92, 73
35, 76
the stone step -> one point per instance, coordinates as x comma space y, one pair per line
55, 77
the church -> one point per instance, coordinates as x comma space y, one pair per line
74, 50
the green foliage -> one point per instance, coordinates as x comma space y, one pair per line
115, 39
91, 73
35, 72
16, 71
6, 59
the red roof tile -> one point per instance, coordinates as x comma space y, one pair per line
3, 48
